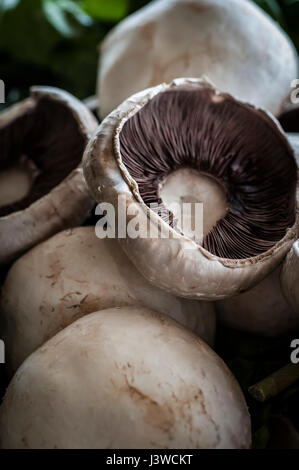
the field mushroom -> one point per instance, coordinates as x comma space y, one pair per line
42, 188
238, 46
195, 135
271, 308
119, 370
73, 274
264, 310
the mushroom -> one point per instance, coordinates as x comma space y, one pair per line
75, 273
213, 150
124, 378
271, 308
265, 309
239, 47
42, 187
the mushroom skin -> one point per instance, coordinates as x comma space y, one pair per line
73, 274
264, 310
121, 369
290, 277
173, 38
171, 261
65, 205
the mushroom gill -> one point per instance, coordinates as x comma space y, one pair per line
214, 137
42, 144
42, 187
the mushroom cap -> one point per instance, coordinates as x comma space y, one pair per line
239, 47
290, 277
68, 203
119, 370
263, 310
73, 274
173, 261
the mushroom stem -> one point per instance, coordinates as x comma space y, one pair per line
275, 383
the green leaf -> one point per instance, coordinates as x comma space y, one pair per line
8, 4
57, 17
75, 10
111, 11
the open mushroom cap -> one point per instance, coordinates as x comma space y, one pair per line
124, 378
263, 310
239, 47
42, 187
290, 277
73, 274
207, 149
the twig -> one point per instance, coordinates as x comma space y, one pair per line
275, 383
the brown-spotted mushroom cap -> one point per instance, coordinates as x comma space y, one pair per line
124, 378
42, 187
239, 47
73, 274
186, 141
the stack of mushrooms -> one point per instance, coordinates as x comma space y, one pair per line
105, 334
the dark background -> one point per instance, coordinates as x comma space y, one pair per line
55, 42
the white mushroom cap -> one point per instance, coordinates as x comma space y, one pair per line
264, 309
124, 378
75, 273
67, 204
239, 47
170, 261
290, 277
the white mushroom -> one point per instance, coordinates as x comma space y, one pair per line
238, 46
75, 273
124, 378
189, 126
264, 309
42, 187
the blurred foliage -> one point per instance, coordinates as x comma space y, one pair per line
55, 42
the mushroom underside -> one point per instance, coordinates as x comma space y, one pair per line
38, 149
235, 162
